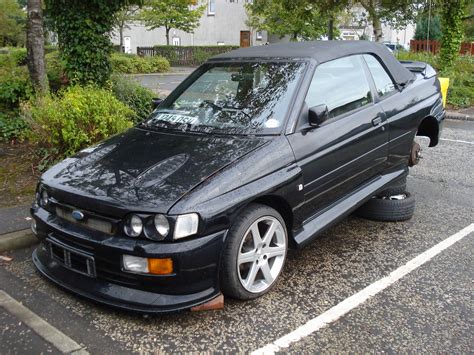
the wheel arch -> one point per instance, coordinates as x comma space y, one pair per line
282, 206
429, 127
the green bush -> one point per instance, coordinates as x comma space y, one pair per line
14, 85
133, 64
159, 64
12, 127
122, 63
77, 117
461, 77
55, 71
133, 95
18, 55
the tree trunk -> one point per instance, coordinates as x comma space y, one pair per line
331, 28
167, 35
121, 49
376, 24
35, 47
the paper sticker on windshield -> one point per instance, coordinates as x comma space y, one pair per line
175, 118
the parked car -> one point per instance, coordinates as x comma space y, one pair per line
257, 151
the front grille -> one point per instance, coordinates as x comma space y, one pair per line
90, 222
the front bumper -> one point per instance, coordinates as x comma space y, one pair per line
193, 282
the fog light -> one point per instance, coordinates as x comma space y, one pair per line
135, 263
156, 266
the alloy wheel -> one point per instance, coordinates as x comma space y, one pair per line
262, 254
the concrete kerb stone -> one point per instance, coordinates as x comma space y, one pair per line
17, 240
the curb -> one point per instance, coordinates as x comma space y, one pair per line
17, 240
458, 116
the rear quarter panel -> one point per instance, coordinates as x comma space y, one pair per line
405, 111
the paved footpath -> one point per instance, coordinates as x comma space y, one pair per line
419, 275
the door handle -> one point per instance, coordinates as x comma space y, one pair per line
376, 121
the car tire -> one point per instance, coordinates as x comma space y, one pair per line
397, 188
393, 208
251, 264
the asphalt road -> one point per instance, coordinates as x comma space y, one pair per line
163, 84
428, 310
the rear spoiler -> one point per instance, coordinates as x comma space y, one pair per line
419, 68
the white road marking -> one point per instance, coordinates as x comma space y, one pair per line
456, 141
344, 307
49, 333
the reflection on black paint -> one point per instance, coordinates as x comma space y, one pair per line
149, 167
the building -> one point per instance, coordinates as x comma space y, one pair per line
360, 28
223, 23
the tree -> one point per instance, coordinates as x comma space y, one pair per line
83, 29
331, 9
35, 47
430, 31
300, 19
397, 13
122, 19
177, 14
452, 15
12, 24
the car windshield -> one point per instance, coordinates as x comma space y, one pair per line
233, 98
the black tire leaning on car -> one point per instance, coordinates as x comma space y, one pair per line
240, 238
397, 188
388, 209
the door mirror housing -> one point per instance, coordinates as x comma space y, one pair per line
318, 114
155, 102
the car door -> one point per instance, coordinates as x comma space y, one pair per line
351, 146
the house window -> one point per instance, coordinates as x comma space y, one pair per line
220, 43
259, 35
211, 7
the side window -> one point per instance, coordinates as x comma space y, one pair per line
341, 84
383, 82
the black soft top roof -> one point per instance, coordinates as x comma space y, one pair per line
323, 51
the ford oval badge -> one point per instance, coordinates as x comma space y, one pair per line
77, 215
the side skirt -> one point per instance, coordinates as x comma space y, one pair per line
330, 216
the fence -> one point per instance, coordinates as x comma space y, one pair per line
434, 46
184, 55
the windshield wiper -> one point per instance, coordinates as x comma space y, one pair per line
223, 108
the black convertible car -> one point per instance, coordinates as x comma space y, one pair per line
257, 151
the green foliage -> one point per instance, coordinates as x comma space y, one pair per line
77, 117
12, 24
14, 85
83, 29
421, 31
55, 71
461, 82
12, 127
169, 14
461, 77
133, 64
452, 13
301, 19
195, 55
133, 95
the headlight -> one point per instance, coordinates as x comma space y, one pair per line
186, 225
44, 199
161, 224
133, 226
157, 227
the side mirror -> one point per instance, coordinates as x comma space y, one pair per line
318, 114
155, 102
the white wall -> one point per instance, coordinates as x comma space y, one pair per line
223, 27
